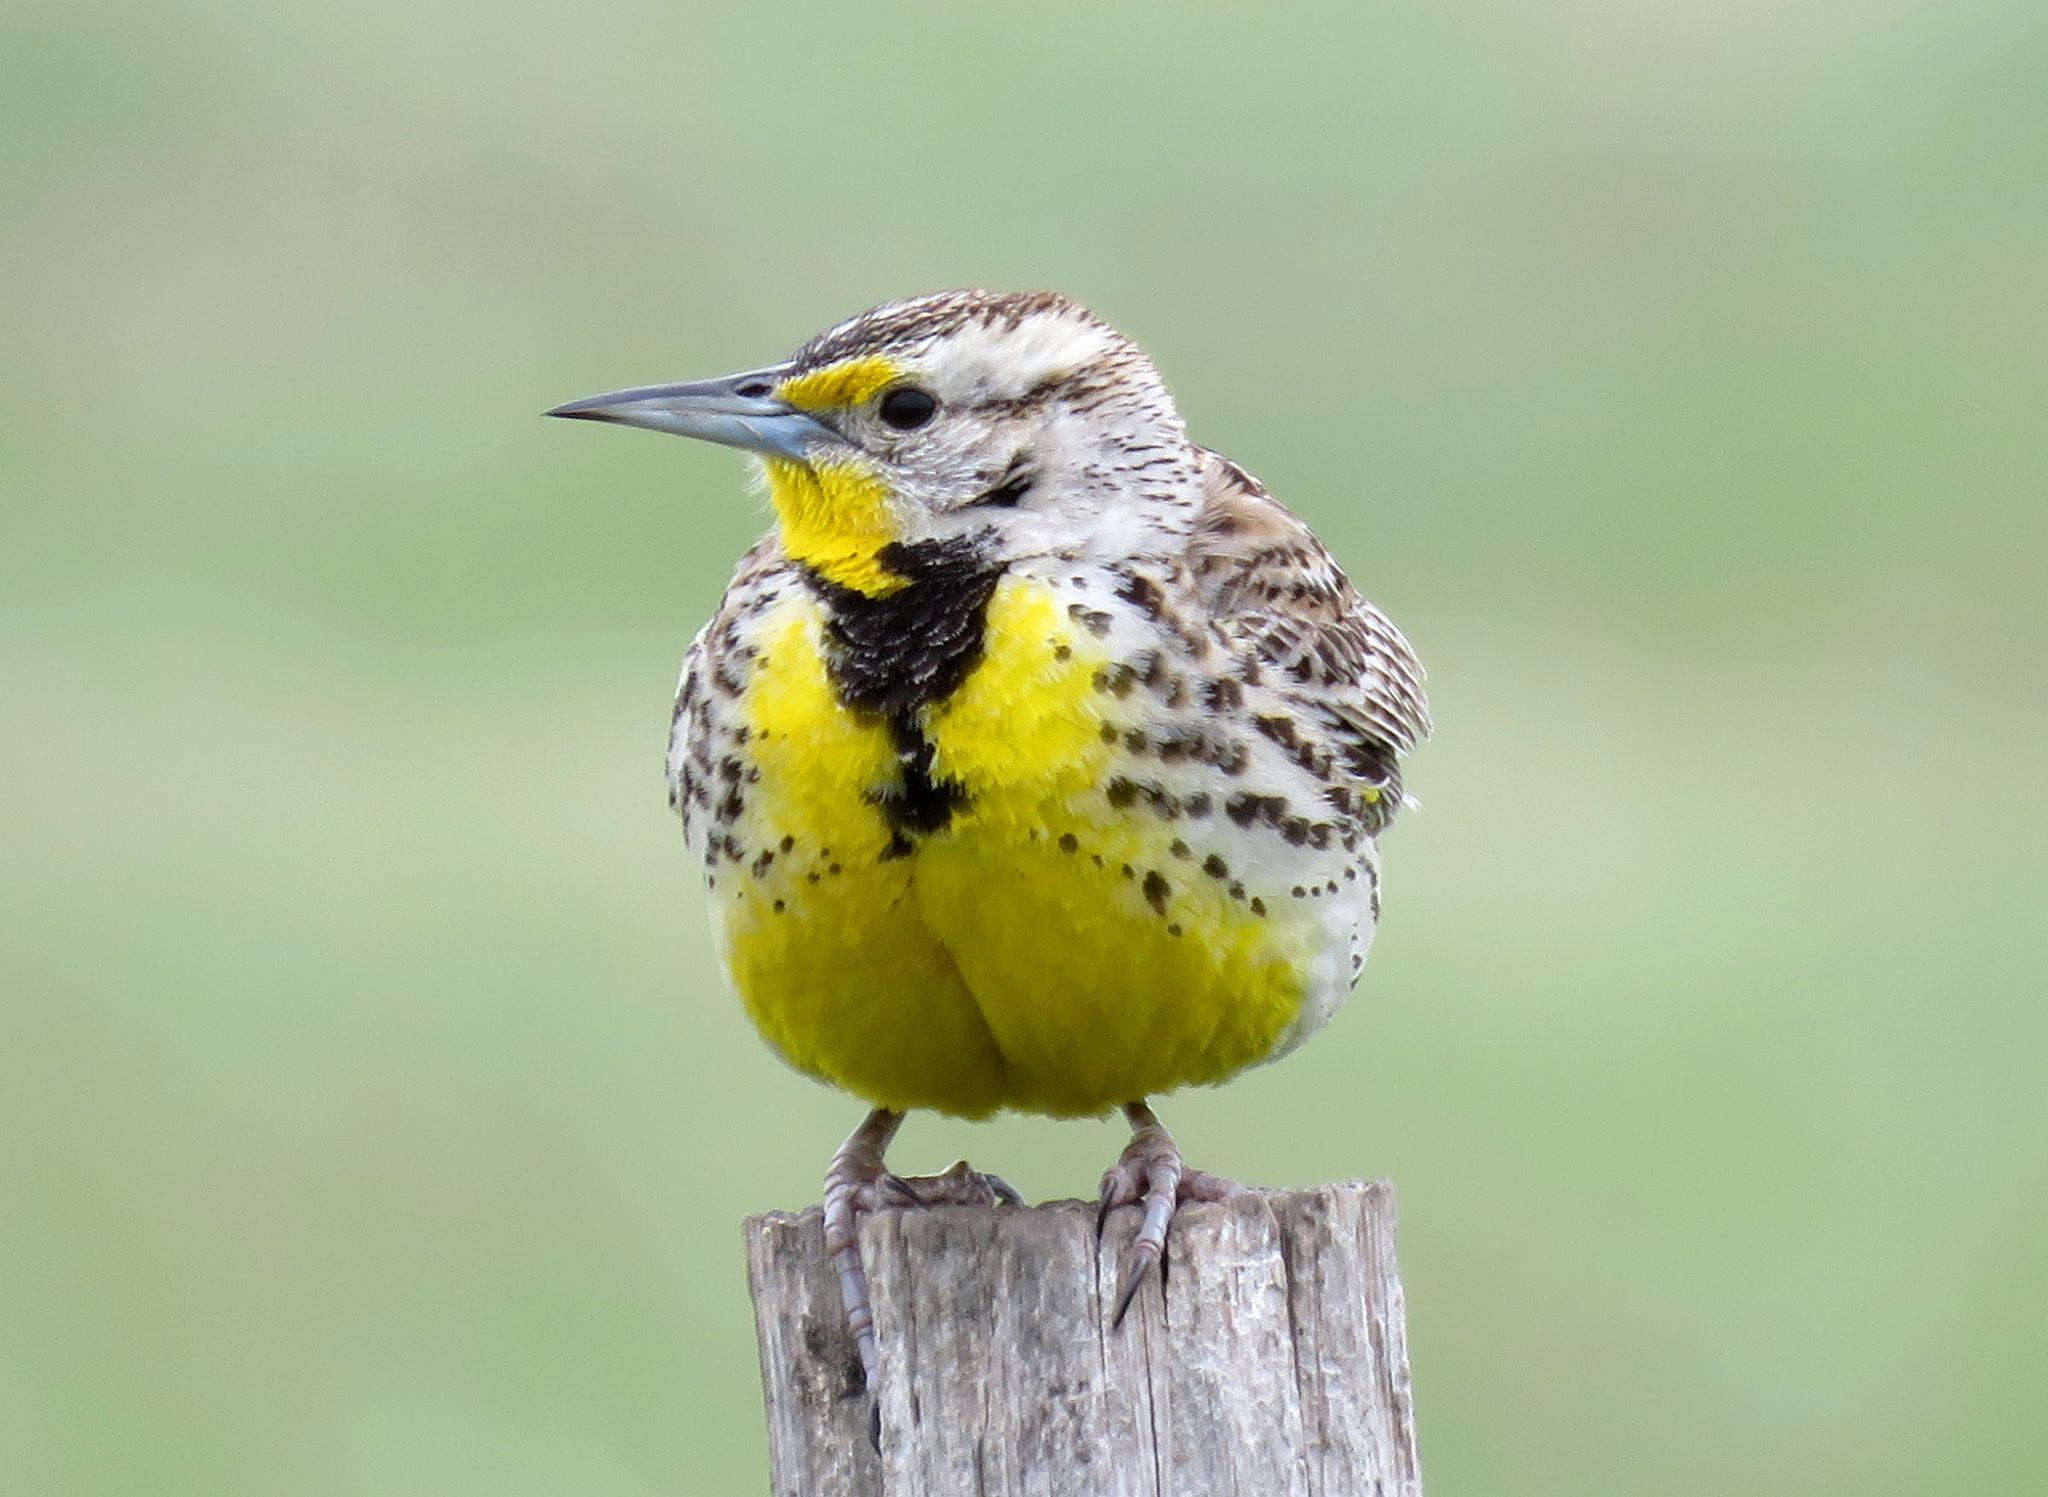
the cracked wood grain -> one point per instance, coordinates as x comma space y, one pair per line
1275, 1361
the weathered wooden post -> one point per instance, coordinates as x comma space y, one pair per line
1276, 1361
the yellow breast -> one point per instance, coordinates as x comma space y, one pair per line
1053, 947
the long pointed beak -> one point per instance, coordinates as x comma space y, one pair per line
739, 410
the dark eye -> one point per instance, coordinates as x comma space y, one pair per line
907, 408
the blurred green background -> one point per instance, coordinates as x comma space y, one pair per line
372, 1119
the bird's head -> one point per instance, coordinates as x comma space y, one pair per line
1018, 421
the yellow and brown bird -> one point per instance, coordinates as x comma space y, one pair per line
1036, 756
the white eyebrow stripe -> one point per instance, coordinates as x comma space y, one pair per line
1001, 363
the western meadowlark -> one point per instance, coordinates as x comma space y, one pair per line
1035, 758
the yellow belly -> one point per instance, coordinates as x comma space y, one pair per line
1043, 951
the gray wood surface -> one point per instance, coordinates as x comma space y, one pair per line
1275, 1362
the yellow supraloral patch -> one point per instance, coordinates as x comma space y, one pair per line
848, 382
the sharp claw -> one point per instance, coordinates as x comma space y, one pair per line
856, 1185
959, 1185
849, 1195
893, 1190
1150, 1172
1139, 1265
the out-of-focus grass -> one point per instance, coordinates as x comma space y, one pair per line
374, 1120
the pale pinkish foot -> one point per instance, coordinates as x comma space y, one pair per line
859, 1184
1149, 1172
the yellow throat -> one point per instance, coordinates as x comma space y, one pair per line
836, 516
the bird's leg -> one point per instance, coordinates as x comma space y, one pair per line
1149, 1172
851, 1192
858, 1183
